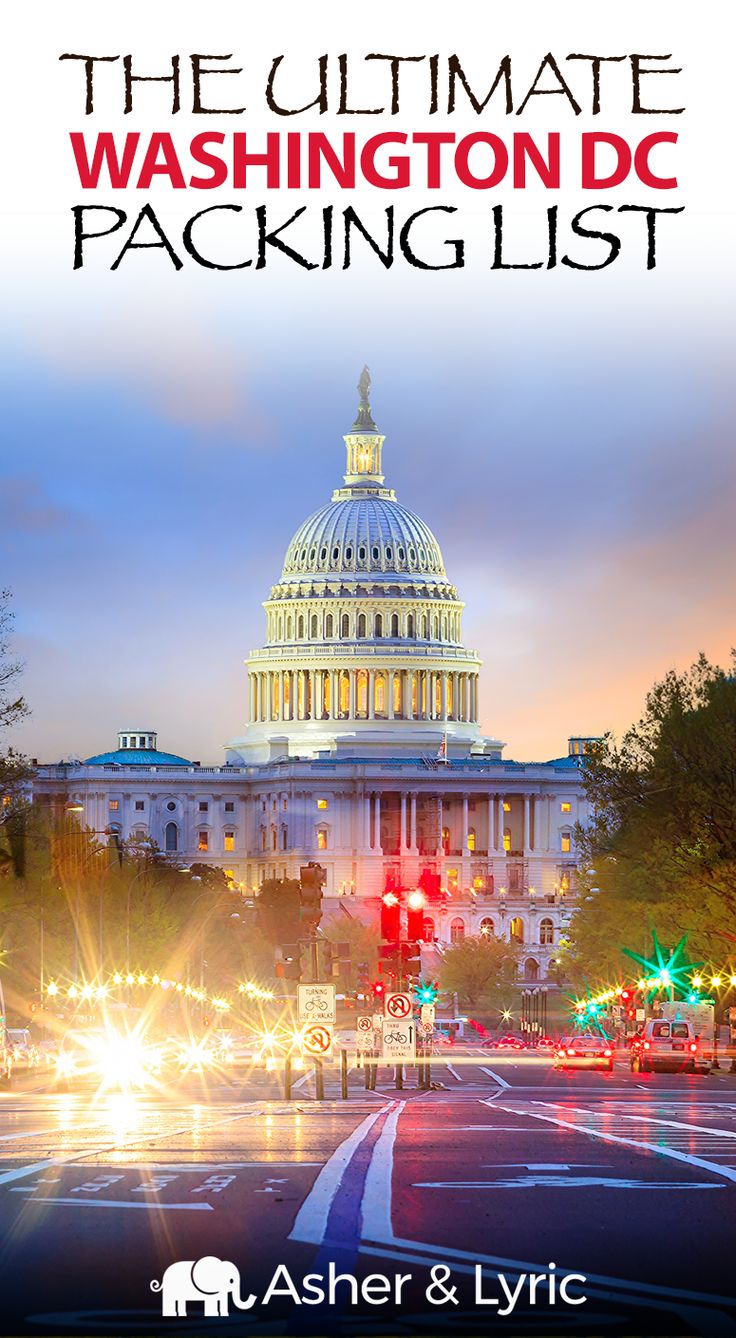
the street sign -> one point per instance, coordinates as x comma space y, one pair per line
425, 1029
641, 1014
398, 1042
316, 1040
377, 1021
426, 1014
399, 1006
316, 1003
364, 1033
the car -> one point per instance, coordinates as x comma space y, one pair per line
584, 1051
510, 1043
25, 1053
665, 1044
545, 1043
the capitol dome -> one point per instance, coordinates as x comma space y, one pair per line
363, 652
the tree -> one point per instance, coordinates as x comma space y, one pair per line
279, 905
364, 940
14, 770
660, 849
479, 969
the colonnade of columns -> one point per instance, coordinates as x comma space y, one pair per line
535, 830
363, 694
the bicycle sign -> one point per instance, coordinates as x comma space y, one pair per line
399, 1006
398, 1044
316, 1040
364, 1034
316, 1003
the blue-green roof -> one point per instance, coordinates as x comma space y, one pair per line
136, 757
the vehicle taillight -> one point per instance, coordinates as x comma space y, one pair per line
571, 1052
607, 1054
646, 1045
560, 1054
693, 1046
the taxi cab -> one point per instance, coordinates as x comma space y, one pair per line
665, 1044
584, 1051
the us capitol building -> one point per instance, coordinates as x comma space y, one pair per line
362, 749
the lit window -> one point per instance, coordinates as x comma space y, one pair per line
323, 803
6, 801
203, 842
506, 806
230, 875
507, 840
139, 805
565, 843
321, 839
565, 808
229, 840
471, 839
452, 880
286, 804
113, 805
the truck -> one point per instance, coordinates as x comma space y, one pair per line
702, 1017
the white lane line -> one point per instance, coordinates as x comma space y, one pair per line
24, 1133
420, 1252
501, 1081
375, 1205
454, 1073
20, 1172
682, 1124
563, 1182
310, 1223
123, 1203
661, 1150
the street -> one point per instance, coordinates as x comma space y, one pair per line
629, 1180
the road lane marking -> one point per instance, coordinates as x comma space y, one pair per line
563, 1182
25, 1133
728, 1173
20, 1172
377, 1190
682, 1124
148, 1205
501, 1081
454, 1073
310, 1223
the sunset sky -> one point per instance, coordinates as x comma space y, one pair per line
568, 436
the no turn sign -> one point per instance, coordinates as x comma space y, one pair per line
316, 1040
399, 1006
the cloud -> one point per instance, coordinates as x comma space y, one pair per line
25, 509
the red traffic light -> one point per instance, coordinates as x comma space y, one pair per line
379, 988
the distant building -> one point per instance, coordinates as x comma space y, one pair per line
362, 748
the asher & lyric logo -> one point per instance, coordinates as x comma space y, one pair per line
215, 1284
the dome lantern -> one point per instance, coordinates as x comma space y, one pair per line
364, 442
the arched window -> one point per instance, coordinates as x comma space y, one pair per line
378, 626
345, 626
313, 630
410, 625
565, 841
344, 703
531, 969
321, 838
274, 839
361, 694
284, 838
380, 704
287, 696
516, 930
457, 930
428, 929
507, 839
438, 696
446, 840
425, 627
300, 628
444, 628
394, 624
486, 927
397, 695
360, 631
415, 696
471, 838
171, 836
288, 628
546, 932
434, 629
361, 553
328, 625
376, 553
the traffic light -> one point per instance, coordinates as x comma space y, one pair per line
379, 990
415, 904
311, 881
364, 980
390, 917
288, 964
426, 991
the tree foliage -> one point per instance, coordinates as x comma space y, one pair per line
479, 969
660, 850
14, 770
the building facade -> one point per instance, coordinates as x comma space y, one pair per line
363, 748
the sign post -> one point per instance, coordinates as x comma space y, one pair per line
316, 1003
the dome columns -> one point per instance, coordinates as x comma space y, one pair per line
363, 694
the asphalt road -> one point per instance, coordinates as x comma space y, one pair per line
628, 1180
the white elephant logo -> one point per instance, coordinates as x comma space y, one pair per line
211, 1280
